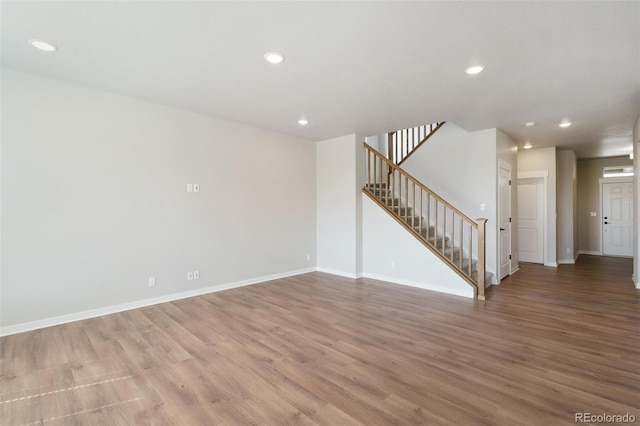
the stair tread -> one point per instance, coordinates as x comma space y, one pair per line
422, 227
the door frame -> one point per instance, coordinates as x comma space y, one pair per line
602, 181
544, 175
507, 166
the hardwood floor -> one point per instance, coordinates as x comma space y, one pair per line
319, 349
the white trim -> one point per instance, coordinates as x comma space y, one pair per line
603, 181
591, 253
92, 313
541, 174
531, 175
635, 281
625, 179
569, 261
424, 286
506, 166
339, 273
551, 264
516, 269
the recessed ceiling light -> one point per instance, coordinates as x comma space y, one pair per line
474, 69
565, 124
303, 122
527, 145
42, 45
274, 57
529, 124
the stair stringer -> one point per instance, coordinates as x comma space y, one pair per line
385, 240
461, 167
418, 212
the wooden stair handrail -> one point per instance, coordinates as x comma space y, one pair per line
401, 148
417, 182
382, 177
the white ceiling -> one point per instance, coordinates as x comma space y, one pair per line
355, 67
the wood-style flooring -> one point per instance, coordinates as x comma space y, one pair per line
317, 349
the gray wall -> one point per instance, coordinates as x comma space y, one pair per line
340, 179
590, 227
94, 201
567, 246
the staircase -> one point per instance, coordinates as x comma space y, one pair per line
456, 239
403, 143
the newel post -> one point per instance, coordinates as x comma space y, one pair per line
482, 251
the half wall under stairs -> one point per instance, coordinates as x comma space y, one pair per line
455, 239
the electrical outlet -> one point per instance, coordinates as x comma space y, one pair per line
152, 281
189, 276
308, 256
189, 187
196, 187
482, 206
196, 275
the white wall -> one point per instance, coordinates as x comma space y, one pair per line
340, 179
94, 202
544, 159
507, 151
567, 248
392, 254
461, 167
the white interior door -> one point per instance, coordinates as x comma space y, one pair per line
531, 220
617, 219
504, 179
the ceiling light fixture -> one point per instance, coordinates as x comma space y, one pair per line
527, 145
474, 69
529, 124
565, 124
42, 45
274, 57
303, 122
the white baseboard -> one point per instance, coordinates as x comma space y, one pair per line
339, 273
552, 264
516, 269
566, 261
635, 281
425, 286
92, 313
592, 253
